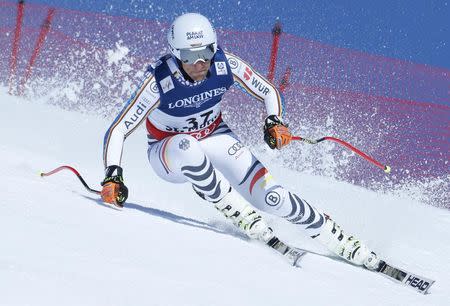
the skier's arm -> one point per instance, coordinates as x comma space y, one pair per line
137, 108
256, 85
276, 132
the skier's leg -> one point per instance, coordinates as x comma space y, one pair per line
180, 159
346, 246
256, 185
252, 180
234, 207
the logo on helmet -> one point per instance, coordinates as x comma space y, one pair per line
194, 35
172, 31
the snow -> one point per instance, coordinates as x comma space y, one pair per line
61, 246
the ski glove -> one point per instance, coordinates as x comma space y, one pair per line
114, 190
276, 133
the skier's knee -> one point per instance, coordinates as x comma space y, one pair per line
270, 200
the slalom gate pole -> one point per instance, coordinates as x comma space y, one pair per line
74, 171
15, 46
284, 83
45, 28
385, 168
276, 33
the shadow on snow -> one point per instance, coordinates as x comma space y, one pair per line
216, 227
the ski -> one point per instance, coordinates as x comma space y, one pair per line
293, 256
419, 283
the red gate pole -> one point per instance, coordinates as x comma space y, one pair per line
15, 46
276, 33
45, 28
285, 80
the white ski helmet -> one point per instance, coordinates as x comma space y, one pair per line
192, 38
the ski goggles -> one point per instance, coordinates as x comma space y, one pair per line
190, 56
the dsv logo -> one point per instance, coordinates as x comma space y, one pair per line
235, 148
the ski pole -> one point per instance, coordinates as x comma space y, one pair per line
74, 171
385, 168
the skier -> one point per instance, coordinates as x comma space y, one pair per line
179, 100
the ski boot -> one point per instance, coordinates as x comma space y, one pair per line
347, 247
234, 207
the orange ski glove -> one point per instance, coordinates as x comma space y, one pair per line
114, 190
276, 133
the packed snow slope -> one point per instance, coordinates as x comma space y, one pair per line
62, 246
397, 111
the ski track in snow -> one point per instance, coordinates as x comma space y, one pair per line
62, 246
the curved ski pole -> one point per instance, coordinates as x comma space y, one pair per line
385, 168
74, 171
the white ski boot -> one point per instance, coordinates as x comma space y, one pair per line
236, 208
347, 247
